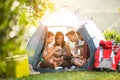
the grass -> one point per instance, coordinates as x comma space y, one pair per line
77, 75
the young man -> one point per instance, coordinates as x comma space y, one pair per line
72, 36
79, 44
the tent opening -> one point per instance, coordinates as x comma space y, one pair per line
60, 23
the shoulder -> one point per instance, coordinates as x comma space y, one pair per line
53, 44
66, 44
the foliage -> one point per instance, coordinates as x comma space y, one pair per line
40, 7
13, 20
115, 35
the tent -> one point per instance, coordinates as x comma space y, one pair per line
65, 18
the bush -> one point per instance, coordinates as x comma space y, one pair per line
115, 35
15, 15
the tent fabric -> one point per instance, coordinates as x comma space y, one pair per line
36, 45
94, 32
63, 17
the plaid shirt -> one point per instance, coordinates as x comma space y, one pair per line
86, 51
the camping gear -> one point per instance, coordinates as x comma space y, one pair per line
17, 66
88, 30
117, 57
107, 56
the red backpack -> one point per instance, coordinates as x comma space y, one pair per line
107, 55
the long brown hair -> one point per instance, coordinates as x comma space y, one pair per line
57, 36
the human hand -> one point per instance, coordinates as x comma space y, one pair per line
58, 48
58, 54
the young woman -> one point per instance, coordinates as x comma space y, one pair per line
65, 49
48, 60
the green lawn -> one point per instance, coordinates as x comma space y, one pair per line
78, 75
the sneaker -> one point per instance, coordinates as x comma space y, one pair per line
58, 68
32, 72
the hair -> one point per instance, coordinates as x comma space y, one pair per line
49, 34
70, 33
56, 37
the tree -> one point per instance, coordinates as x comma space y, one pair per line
13, 19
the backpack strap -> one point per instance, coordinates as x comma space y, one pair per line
113, 53
101, 54
116, 50
111, 56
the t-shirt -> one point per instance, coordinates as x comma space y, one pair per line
82, 49
78, 47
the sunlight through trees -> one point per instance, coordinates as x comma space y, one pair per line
15, 15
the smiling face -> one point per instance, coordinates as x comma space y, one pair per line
50, 39
60, 39
72, 38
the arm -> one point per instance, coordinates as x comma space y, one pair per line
68, 52
49, 52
